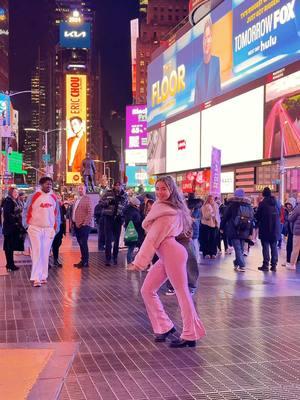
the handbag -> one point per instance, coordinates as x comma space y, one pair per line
131, 234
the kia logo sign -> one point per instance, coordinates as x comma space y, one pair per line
74, 34
75, 37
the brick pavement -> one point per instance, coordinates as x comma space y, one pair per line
252, 348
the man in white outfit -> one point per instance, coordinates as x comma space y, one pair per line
41, 215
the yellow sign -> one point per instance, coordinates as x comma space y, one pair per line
75, 126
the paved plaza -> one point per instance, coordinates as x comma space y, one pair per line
252, 348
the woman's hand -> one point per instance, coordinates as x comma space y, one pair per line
132, 267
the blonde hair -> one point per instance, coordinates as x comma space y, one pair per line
177, 201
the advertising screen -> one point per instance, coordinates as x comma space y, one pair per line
283, 117
236, 127
134, 34
75, 36
75, 125
183, 144
157, 151
137, 175
135, 156
4, 110
227, 182
240, 41
136, 127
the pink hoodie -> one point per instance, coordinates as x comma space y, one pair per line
163, 221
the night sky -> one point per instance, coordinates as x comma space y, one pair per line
28, 19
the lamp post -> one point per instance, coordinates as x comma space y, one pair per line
45, 132
282, 165
106, 167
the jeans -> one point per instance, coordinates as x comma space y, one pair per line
209, 240
130, 251
266, 254
56, 245
112, 231
82, 235
289, 247
238, 246
101, 235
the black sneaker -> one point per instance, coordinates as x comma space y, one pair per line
263, 268
273, 268
107, 263
170, 292
115, 261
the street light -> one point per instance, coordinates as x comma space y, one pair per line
45, 132
105, 167
282, 165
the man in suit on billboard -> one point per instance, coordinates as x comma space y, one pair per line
76, 145
208, 82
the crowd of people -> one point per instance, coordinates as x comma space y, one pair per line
165, 234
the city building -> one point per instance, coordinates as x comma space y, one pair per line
212, 90
161, 16
4, 46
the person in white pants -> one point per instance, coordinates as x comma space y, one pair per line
41, 215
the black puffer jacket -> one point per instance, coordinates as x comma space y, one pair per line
268, 218
114, 203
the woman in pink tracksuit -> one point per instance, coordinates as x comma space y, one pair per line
169, 217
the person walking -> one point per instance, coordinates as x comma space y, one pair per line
132, 213
237, 224
13, 231
82, 217
169, 217
268, 219
294, 219
210, 223
41, 217
114, 202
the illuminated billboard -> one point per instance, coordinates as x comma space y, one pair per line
183, 144
75, 126
238, 42
236, 126
75, 36
137, 175
283, 117
136, 127
157, 151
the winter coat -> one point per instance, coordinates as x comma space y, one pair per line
268, 218
133, 214
114, 203
294, 219
163, 221
98, 213
12, 225
210, 215
229, 217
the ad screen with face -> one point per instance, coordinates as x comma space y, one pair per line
283, 117
183, 144
236, 127
75, 125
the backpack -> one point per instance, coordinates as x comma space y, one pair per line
243, 220
131, 235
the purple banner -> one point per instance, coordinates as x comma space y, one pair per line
136, 127
215, 172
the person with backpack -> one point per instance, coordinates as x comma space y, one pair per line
133, 227
268, 217
237, 222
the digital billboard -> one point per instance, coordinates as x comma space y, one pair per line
134, 33
183, 144
73, 36
157, 151
282, 113
75, 125
4, 110
236, 126
238, 42
136, 156
137, 175
136, 127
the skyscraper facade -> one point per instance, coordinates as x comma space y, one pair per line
161, 17
4, 43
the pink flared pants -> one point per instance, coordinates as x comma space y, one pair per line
171, 265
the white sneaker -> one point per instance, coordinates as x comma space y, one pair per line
291, 266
